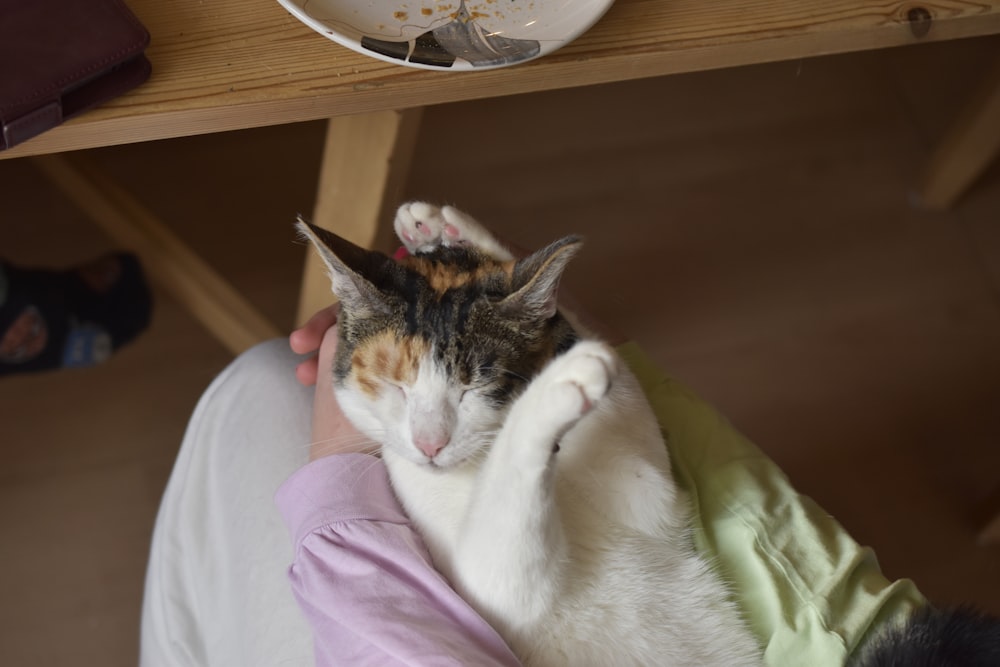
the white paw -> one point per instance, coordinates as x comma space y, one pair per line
423, 227
575, 383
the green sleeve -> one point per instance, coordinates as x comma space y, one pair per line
809, 591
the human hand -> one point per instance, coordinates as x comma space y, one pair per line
332, 432
307, 340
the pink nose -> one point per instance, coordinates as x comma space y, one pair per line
431, 446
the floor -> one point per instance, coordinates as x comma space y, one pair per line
755, 229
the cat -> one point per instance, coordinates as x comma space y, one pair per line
523, 450
935, 637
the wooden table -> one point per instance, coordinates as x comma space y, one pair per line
229, 64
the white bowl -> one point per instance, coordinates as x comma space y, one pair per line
450, 34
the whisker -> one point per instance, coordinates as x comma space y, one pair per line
350, 442
507, 371
503, 371
372, 450
354, 437
326, 450
374, 462
340, 440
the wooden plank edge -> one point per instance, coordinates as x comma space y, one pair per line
168, 260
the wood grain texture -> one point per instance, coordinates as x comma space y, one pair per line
233, 64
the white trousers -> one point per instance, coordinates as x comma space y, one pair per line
216, 587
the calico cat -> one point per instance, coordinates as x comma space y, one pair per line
523, 450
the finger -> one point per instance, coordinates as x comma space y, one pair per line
299, 341
308, 371
308, 337
328, 346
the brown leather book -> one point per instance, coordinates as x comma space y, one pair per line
59, 58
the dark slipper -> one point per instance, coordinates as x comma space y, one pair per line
56, 319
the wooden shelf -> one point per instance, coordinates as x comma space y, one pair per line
232, 64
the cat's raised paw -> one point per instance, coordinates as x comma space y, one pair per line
578, 380
423, 227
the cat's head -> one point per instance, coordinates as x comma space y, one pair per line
434, 348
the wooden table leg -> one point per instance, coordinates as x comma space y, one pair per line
990, 533
968, 148
365, 163
169, 262
988, 517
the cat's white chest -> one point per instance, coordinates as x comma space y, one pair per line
436, 502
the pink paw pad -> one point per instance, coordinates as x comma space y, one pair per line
451, 231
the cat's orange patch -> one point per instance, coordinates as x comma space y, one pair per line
443, 278
387, 358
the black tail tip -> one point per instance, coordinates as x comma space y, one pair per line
932, 637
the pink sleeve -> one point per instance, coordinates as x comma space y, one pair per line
364, 579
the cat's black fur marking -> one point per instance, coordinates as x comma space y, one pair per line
468, 311
480, 337
961, 637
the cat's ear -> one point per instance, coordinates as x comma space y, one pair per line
535, 280
350, 268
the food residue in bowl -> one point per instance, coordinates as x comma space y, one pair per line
472, 11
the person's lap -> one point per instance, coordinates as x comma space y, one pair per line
216, 587
217, 591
